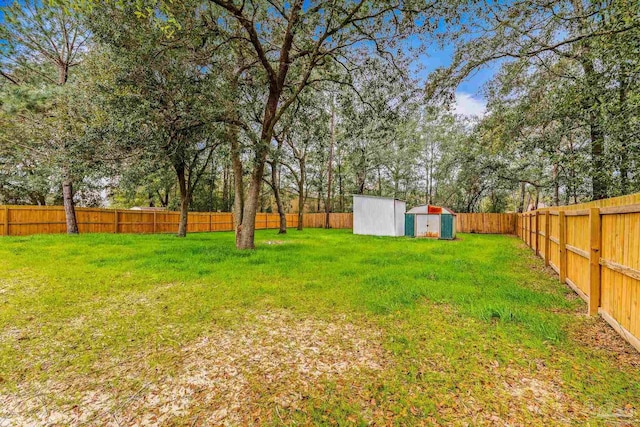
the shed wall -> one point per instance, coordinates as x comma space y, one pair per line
374, 216
447, 226
400, 209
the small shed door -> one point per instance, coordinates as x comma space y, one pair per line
409, 225
433, 226
446, 227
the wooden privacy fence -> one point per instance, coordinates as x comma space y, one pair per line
595, 249
26, 220
336, 220
488, 223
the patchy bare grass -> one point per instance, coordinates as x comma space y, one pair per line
264, 367
315, 328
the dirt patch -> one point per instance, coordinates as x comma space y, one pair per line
269, 364
540, 397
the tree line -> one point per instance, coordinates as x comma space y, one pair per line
251, 106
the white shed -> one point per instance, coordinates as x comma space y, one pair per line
378, 216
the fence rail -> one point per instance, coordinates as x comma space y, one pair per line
595, 249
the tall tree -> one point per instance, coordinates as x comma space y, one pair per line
165, 87
293, 42
533, 35
44, 42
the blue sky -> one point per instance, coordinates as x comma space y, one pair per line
469, 97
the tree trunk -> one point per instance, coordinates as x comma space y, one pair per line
246, 229
275, 186
69, 205
225, 187
528, 201
591, 104
238, 183
185, 197
212, 186
184, 215
396, 185
301, 184
340, 185
522, 192
245, 232
431, 162
67, 182
556, 186
63, 73
327, 206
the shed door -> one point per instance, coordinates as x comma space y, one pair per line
446, 227
427, 226
433, 225
409, 225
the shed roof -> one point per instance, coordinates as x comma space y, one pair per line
377, 197
430, 209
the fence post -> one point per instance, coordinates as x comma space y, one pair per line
115, 221
210, 222
155, 222
537, 221
595, 232
6, 220
563, 246
531, 230
547, 235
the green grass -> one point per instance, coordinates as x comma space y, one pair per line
463, 323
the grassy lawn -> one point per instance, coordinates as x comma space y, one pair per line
315, 327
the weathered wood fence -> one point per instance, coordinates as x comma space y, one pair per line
26, 220
595, 249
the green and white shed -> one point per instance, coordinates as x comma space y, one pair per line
430, 221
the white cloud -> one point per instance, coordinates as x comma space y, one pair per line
467, 105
